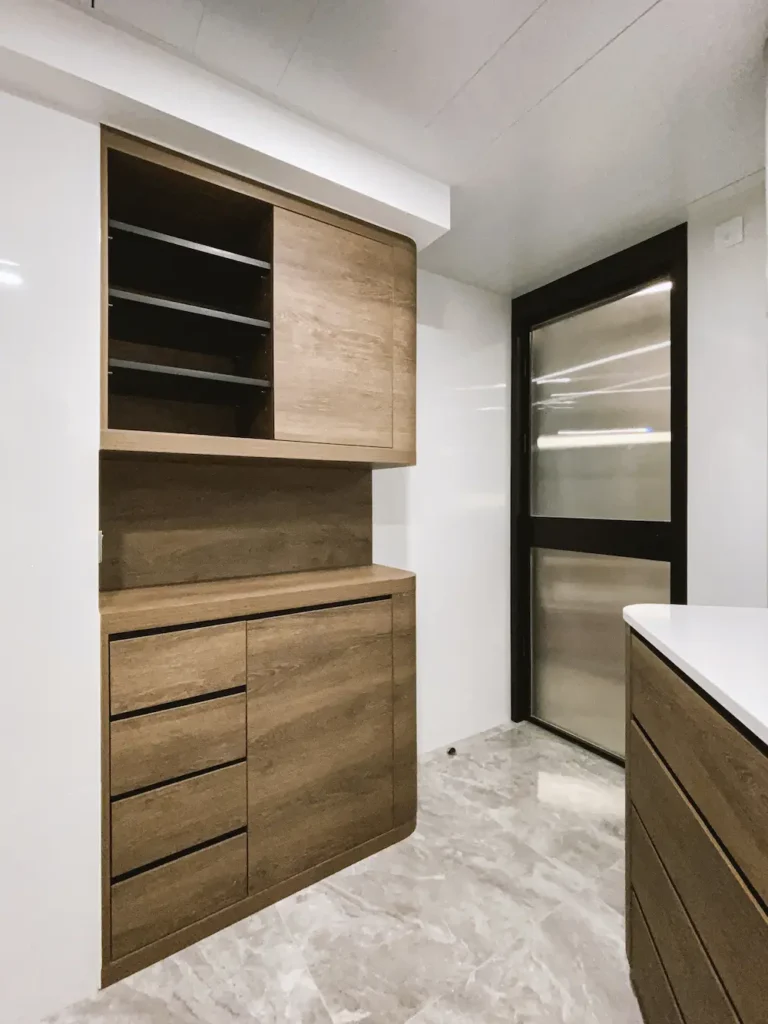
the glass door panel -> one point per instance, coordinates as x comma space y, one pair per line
600, 411
578, 638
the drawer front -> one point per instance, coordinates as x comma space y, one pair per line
168, 744
162, 900
651, 984
148, 670
731, 924
697, 988
724, 773
150, 826
320, 741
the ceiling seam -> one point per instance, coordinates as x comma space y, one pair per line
570, 75
204, 12
485, 63
299, 41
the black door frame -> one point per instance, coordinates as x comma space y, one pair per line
664, 256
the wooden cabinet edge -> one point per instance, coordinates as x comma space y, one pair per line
404, 736
133, 962
111, 138
148, 442
106, 807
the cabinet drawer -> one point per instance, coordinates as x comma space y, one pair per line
165, 745
148, 670
694, 982
731, 924
653, 990
164, 899
150, 826
725, 774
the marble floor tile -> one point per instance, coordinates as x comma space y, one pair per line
249, 972
506, 905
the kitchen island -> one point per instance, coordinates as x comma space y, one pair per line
697, 813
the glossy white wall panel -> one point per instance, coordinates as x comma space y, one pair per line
447, 518
728, 402
49, 658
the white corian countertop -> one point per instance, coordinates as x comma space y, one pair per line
723, 650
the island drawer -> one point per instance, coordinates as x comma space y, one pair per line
723, 772
730, 922
651, 984
697, 988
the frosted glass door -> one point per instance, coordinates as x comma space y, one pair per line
600, 518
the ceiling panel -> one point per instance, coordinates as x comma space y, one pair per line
561, 37
173, 21
252, 40
672, 110
569, 128
409, 56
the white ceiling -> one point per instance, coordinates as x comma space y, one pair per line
568, 128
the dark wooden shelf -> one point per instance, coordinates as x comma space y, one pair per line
181, 371
208, 250
185, 307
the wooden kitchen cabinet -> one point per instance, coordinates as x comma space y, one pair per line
221, 801
258, 672
242, 322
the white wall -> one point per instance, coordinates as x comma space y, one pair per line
728, 402
50, 834
447, 518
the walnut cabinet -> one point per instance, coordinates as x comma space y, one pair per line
241, 322
249, 757
258, 671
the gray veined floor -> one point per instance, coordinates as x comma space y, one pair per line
505, 906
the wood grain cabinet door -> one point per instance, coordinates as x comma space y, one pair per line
320, 760
334, 318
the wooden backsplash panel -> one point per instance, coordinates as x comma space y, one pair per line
180, 522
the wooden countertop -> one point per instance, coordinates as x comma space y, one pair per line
123, 611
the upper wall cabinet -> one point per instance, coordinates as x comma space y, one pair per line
242, 322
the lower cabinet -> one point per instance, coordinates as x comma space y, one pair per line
696, 853
230, 798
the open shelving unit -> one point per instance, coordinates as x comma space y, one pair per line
158, 236
189, 304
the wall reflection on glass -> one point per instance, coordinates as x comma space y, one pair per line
578, 638
600, 408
